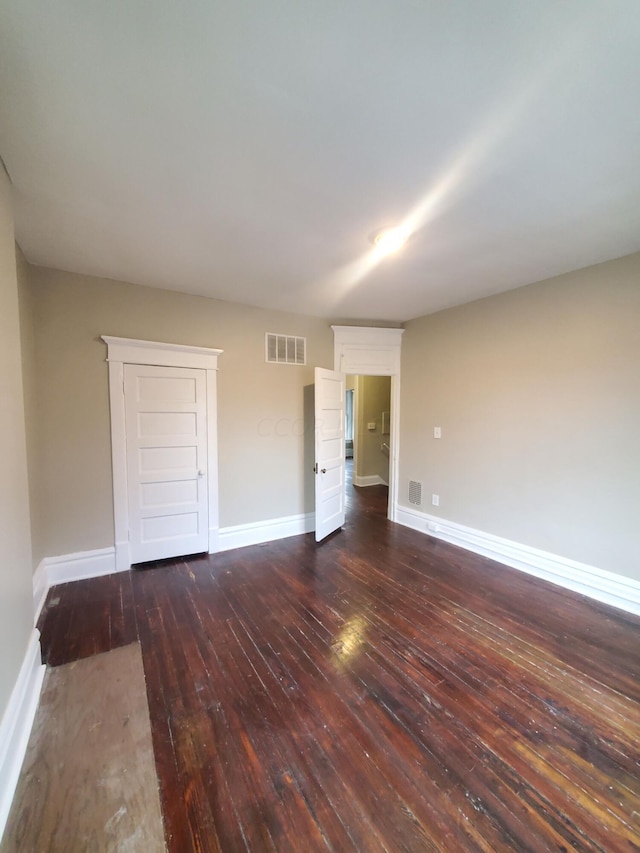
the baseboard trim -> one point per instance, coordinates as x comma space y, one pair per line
214, 540
596, 583
16, 724
369, 480
40, 590
82, 565
122, 557
264, 531
71, 567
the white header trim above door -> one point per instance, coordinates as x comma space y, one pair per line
121, 351
367, 351
132, 351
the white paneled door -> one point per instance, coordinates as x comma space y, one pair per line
330, 449
166, 437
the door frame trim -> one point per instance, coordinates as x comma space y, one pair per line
121, 351
373, 351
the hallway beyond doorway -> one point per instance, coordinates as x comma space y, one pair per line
368, 500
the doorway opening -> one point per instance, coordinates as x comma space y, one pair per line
374, 351
368, 421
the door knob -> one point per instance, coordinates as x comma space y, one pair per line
323, 470
201, 473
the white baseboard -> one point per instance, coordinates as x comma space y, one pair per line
264, 531
122, 557
83, 564
596, 583
369, 480
71, 567
214, 540
40, 590
16, 724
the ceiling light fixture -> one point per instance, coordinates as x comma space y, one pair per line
389, 240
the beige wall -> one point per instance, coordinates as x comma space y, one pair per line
16, 602
373, 398
260, 406
537, 392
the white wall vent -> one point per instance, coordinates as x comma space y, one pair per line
285, 349
415, 492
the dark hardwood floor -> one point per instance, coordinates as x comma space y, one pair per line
381, 691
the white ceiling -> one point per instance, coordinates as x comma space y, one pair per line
247, 149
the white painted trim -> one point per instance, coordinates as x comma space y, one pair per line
356, 421
118, 469
212, 453
394, 444
375, 336
265, 531
591, 581
71, 567
121, 351
40, 590
16, 724
80, 566
132, 351
123, 557
367, 351
214, 540
369, 480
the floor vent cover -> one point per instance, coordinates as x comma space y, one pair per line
285, 349
415, 492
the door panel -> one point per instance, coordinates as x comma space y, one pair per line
155, 528
157, 389
167, 460
329, 438
166, 435
167, 423
154, 495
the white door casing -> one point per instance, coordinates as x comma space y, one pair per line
166, 415
330, 448
369, 351
123, 351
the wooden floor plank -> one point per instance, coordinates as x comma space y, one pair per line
309, 724
384, 762
86, 618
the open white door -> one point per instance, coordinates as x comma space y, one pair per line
166, 435
330, 464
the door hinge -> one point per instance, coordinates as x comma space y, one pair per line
315, 468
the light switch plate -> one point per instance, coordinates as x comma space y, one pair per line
437, 432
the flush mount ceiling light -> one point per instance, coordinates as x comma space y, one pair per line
389, 240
